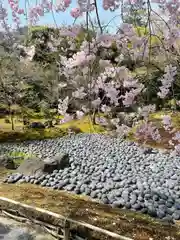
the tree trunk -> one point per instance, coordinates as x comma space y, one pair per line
50, 123
12, 121
12, 117
94, 118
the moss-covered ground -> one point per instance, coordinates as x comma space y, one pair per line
22, 134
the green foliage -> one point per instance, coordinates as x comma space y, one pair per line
11, 86
151, 81
40, 36
38, 28
47, 111
41, 32
141, 30
135, 14
84, 35
154, 40
31, 114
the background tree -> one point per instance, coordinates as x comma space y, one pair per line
135, 14
12, 86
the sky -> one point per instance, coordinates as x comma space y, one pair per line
65, 17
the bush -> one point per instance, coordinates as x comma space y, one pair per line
6, 120
37, 125
31, 114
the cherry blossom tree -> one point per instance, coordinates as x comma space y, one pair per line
88, 72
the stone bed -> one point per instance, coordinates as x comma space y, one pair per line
113, 171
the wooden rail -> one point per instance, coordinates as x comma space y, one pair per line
61, 221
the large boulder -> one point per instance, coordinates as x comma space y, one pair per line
59, 161
34, 166
31, 166
7, 162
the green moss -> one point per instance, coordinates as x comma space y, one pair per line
157, 117
31, 134
84, 124
21, 156
20, 134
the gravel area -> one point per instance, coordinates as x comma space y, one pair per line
113, 171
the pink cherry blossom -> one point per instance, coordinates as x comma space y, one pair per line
76, 12
176, 137
67, 3
167, 120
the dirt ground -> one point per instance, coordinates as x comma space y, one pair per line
123, 222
